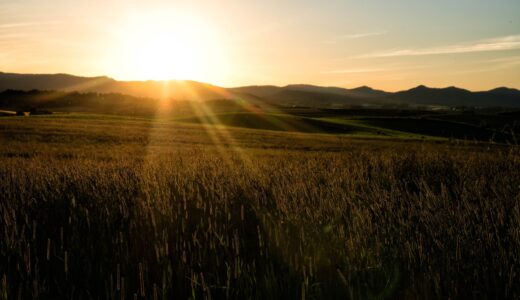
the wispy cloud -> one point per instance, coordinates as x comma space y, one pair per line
496, 44
12, 26
505, 60
496, 64
361, 35
15, 25
353, 71
10, 36
352, 36
377, 69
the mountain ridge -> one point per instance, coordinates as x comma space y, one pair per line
289, 95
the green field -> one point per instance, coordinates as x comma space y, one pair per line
117, 207
392, 127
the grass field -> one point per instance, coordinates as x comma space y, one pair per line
444, 127
120, 207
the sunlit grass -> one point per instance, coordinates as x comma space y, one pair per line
112, 208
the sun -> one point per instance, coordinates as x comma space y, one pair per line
163, 46
166, 54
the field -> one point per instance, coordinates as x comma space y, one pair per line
238, 205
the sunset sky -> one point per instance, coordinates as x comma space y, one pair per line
391, 45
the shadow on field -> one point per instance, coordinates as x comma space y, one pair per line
440, 128
275, 122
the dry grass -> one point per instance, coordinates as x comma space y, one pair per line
115, 209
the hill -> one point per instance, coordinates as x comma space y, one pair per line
290, 95
453, 96
36, 101
287, 97
314, 96
174, 89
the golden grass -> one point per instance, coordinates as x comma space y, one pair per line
115, 209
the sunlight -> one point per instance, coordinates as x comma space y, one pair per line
160, 46
166, 55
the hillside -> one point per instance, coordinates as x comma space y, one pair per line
290, 95
38, 102
178, 90
453, 96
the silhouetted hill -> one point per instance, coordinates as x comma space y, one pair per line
290, 95
314, 96
174, 89
111, 103
59, 101
363, 91
316, 89
504, 91
368, 92
257, 90
51, 82
453, 96
424, 95
268, 91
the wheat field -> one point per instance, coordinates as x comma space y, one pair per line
100, 208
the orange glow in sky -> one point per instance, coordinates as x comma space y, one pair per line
390, 45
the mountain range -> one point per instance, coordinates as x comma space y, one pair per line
290, 95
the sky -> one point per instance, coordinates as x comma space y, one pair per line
390, 45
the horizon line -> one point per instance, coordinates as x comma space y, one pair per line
259, 85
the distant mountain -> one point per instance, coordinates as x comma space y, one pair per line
423, 95
504, 91
453, 96
51, 82
316, 89
257, 90
290, 95
363, 91
269, 90
368, 92
43, 102
312, 95
174, 89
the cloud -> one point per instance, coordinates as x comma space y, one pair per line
352, 36
15, 25
361, 35
376, 69
10, 36
352, 71
496, 44
514, 60
12, 26
502, 63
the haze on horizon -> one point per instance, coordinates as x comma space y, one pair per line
391, 45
